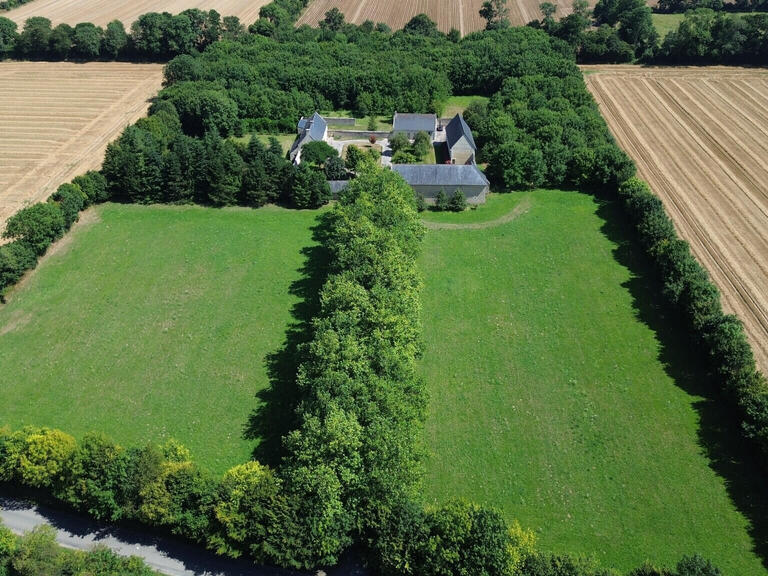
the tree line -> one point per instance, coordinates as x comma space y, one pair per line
153, 36
623, 31
10, 4
682, 6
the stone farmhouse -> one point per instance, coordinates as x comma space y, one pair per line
314, 129
459, 173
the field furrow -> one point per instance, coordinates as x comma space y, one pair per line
57, 119
700, 138
464, 15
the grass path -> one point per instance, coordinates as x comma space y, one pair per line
520, 209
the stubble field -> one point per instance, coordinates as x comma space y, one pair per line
460, 14
101, 12
56, 119
700, 138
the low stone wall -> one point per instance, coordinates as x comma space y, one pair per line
361, 134
339, 121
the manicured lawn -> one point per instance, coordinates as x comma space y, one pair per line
457, 104
553, 399
155, 322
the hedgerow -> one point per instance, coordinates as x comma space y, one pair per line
688, 290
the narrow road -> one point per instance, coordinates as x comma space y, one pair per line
164, 554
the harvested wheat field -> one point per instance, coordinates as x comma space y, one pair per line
100, 12
700, 138
464, 15
56, 120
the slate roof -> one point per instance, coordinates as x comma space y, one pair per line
310, 130
317, 127
452, 175
457, 128
414, 122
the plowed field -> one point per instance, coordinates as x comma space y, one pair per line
460, 14
56, 120
100, 12
700, 138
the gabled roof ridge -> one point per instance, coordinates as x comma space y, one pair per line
457, 128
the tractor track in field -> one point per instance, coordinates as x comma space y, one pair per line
700, 138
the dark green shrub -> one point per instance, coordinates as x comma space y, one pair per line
458, 202
696, 566
309, 188
15, 258
37, 226
71, 200
442, 203
317, 152
94, 186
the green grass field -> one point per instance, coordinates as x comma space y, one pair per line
496, 206
457, 104
666, 23
553, 399
152, 323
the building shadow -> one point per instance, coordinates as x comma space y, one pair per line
275, 413
734, 458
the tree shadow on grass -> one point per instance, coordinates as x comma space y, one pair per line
275, 413
733, 457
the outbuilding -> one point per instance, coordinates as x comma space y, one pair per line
314, 129
461, 144
427, 180
412, 124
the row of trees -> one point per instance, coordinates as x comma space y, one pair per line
155, 161
708, 37
682, 6
688, 290
37, 554
625, 32
10, 4
34, 228
153, 36
248, 511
